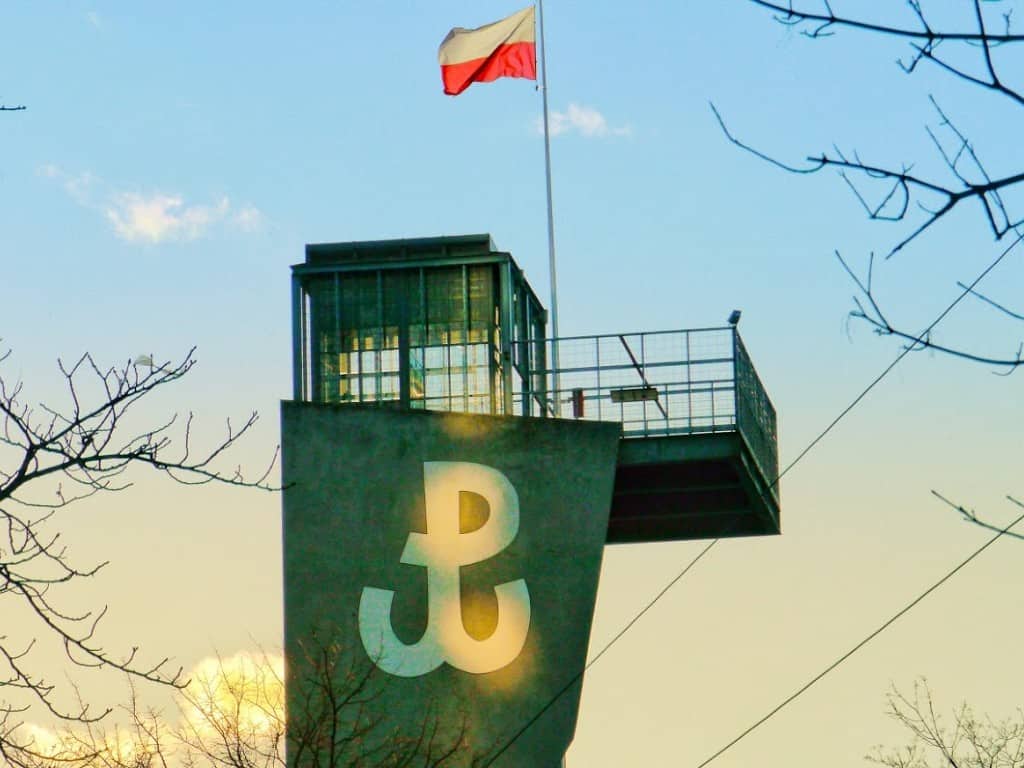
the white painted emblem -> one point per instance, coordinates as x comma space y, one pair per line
442, 550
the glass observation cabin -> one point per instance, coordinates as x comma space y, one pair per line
450, 324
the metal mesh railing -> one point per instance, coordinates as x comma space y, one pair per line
659, 383
756, 417
662, 383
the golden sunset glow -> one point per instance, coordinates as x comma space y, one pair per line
121, 745
243, 693
44, 741
458, 425
502, 645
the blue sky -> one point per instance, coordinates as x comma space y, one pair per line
173, 161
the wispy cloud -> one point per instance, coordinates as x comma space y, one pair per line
161, 217
78, 186
249, 219
156, 217
586, 121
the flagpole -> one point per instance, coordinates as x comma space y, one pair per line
551, 215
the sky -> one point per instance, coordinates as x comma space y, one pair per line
173, 162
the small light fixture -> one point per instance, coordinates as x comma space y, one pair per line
734, 317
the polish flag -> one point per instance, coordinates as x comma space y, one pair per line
506, 48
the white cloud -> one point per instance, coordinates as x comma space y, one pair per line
161, 217
40, 739
245, 690
154, 218
586, 121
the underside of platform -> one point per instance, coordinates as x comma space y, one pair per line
684, 487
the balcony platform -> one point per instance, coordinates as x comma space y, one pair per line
684, 487
698, 456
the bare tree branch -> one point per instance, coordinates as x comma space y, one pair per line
970, 52
869, 311
971, 516
901, 188
790, 15
987, 300
53, 456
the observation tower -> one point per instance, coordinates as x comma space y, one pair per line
451, 324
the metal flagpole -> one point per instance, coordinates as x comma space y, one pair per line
551, 219
551, 215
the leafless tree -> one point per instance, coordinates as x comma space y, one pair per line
332, 722
976, 51
960, 740
53, 456
233, 716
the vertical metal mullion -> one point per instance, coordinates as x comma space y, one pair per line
525, 384
523, 327
426, 333
358, 353
506, 335
494, 380
464, 281
404, 347
523, 352
336, 343
448, 374
307, 344
600, 394
298, 340
378, 355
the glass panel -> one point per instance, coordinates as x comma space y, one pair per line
481, 302
323, 336
402, 303
444, 320
446, 311
417, 384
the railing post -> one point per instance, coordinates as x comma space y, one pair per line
714, 426
668, 421
643, 377
736, 376
689, 385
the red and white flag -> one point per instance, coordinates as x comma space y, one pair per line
506, 48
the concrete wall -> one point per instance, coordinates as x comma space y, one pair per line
355, 515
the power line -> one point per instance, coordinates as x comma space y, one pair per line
609, 644
861, 644
967, 289
831, 425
